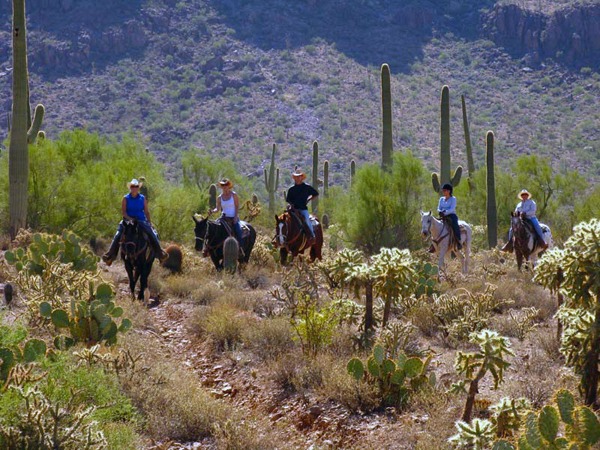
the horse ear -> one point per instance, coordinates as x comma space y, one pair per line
421, 212
429, 212
276, 218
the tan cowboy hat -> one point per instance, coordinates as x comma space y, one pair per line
299, 173
524, 191
134, 182
226, 182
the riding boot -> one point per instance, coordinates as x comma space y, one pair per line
508, 247
458, 245
160, 253
113, 251
431, 249
543, 244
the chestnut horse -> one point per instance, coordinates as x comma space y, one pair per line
526, 241
291, 236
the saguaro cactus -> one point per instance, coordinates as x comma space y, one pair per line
212, 196
468, 146
325, 179
445, 160
387, 146
315, 176
352, 171
20, 133
492, 217
231, 252
272, 181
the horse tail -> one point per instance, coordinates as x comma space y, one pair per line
249, 243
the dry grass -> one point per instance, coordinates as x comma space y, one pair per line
222, 324
269, 338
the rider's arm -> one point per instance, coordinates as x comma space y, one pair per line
124, 209
440, 205
218, 208
146, 211
531, 208
236, 202
452, 209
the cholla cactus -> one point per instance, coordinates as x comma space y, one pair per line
476, 435
575, 271
491, 357
31, 351
507, 415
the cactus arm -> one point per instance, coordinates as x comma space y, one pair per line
386, 106
276, 185
492, 219
468, 146
325, 178
32, 134
456, 178
266, 179
436, 182
18, 151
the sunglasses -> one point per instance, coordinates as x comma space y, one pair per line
134, 187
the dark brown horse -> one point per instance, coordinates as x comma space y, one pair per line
526, 242
138, 257
291, 237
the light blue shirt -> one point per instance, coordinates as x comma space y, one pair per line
447, 206
528, 207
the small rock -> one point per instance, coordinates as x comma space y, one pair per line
315, 411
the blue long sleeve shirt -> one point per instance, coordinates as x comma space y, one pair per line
447, 206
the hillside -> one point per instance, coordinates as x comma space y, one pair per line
232, 77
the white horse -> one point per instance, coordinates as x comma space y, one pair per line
440, 236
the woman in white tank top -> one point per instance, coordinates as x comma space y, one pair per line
229, 204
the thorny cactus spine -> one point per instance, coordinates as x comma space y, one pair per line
445, 160
387, 146
492, 217
272, 181
231, 252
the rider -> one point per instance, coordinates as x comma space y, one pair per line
447, 208
229, 204
298, 197
528, 207
135, 206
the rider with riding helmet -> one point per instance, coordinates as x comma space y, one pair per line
298, 196
528, 207
447, 208
135, 206
229, 204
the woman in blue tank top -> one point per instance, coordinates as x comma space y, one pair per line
135, 206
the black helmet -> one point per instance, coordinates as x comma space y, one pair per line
448, 187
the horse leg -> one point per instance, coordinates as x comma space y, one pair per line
283, 253
136, 278
249, 246
519, 259
467, 251
441, 260
216, 262
129, 270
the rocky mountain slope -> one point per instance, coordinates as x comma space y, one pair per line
231, 77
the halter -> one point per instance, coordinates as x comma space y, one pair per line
286, 244
208, 245
443, 236
137, 253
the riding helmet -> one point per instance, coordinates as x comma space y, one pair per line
447, 186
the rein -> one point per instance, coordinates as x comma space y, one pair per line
440, 239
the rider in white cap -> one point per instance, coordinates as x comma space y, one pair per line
135, 206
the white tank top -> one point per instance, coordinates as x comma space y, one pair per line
228, 206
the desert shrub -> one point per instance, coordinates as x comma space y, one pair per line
269, 338
223, 324
382, 208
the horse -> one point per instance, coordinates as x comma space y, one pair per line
525, 240
138, 257
291, 236
443, 239
211, 235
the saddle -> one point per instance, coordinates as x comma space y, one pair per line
227, 222
448, 224
531, 230
300, 219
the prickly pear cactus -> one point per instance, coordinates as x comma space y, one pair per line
231, 251
396, 379
90, 321
28, 352
67, 248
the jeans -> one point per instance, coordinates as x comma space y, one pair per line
455, 227
237, 228
536, 225
307, 220
150, 231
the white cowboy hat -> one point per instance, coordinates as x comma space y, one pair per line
134, 182
299, 173
523, 192
226, 182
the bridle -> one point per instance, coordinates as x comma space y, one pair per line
442, 235
126, 245
284, 236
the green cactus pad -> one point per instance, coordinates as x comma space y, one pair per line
45, 310
356, 368
413, 367
7, 358
374, 368
590, 427
548, 423
532, 431
125, 325
63, 342
566, 406
378, 354
34, 349
60, 318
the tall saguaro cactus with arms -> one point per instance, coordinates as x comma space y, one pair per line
20, 134
468, 146
272, 181
492, 213
445, 160
315, 175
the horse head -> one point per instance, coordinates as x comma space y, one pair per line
281, 229
426, 223
131, 235
201, 225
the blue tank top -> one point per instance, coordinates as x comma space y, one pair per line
135, 207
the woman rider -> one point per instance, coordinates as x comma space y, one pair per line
529, 208
229, 204
447, 208
135, 206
